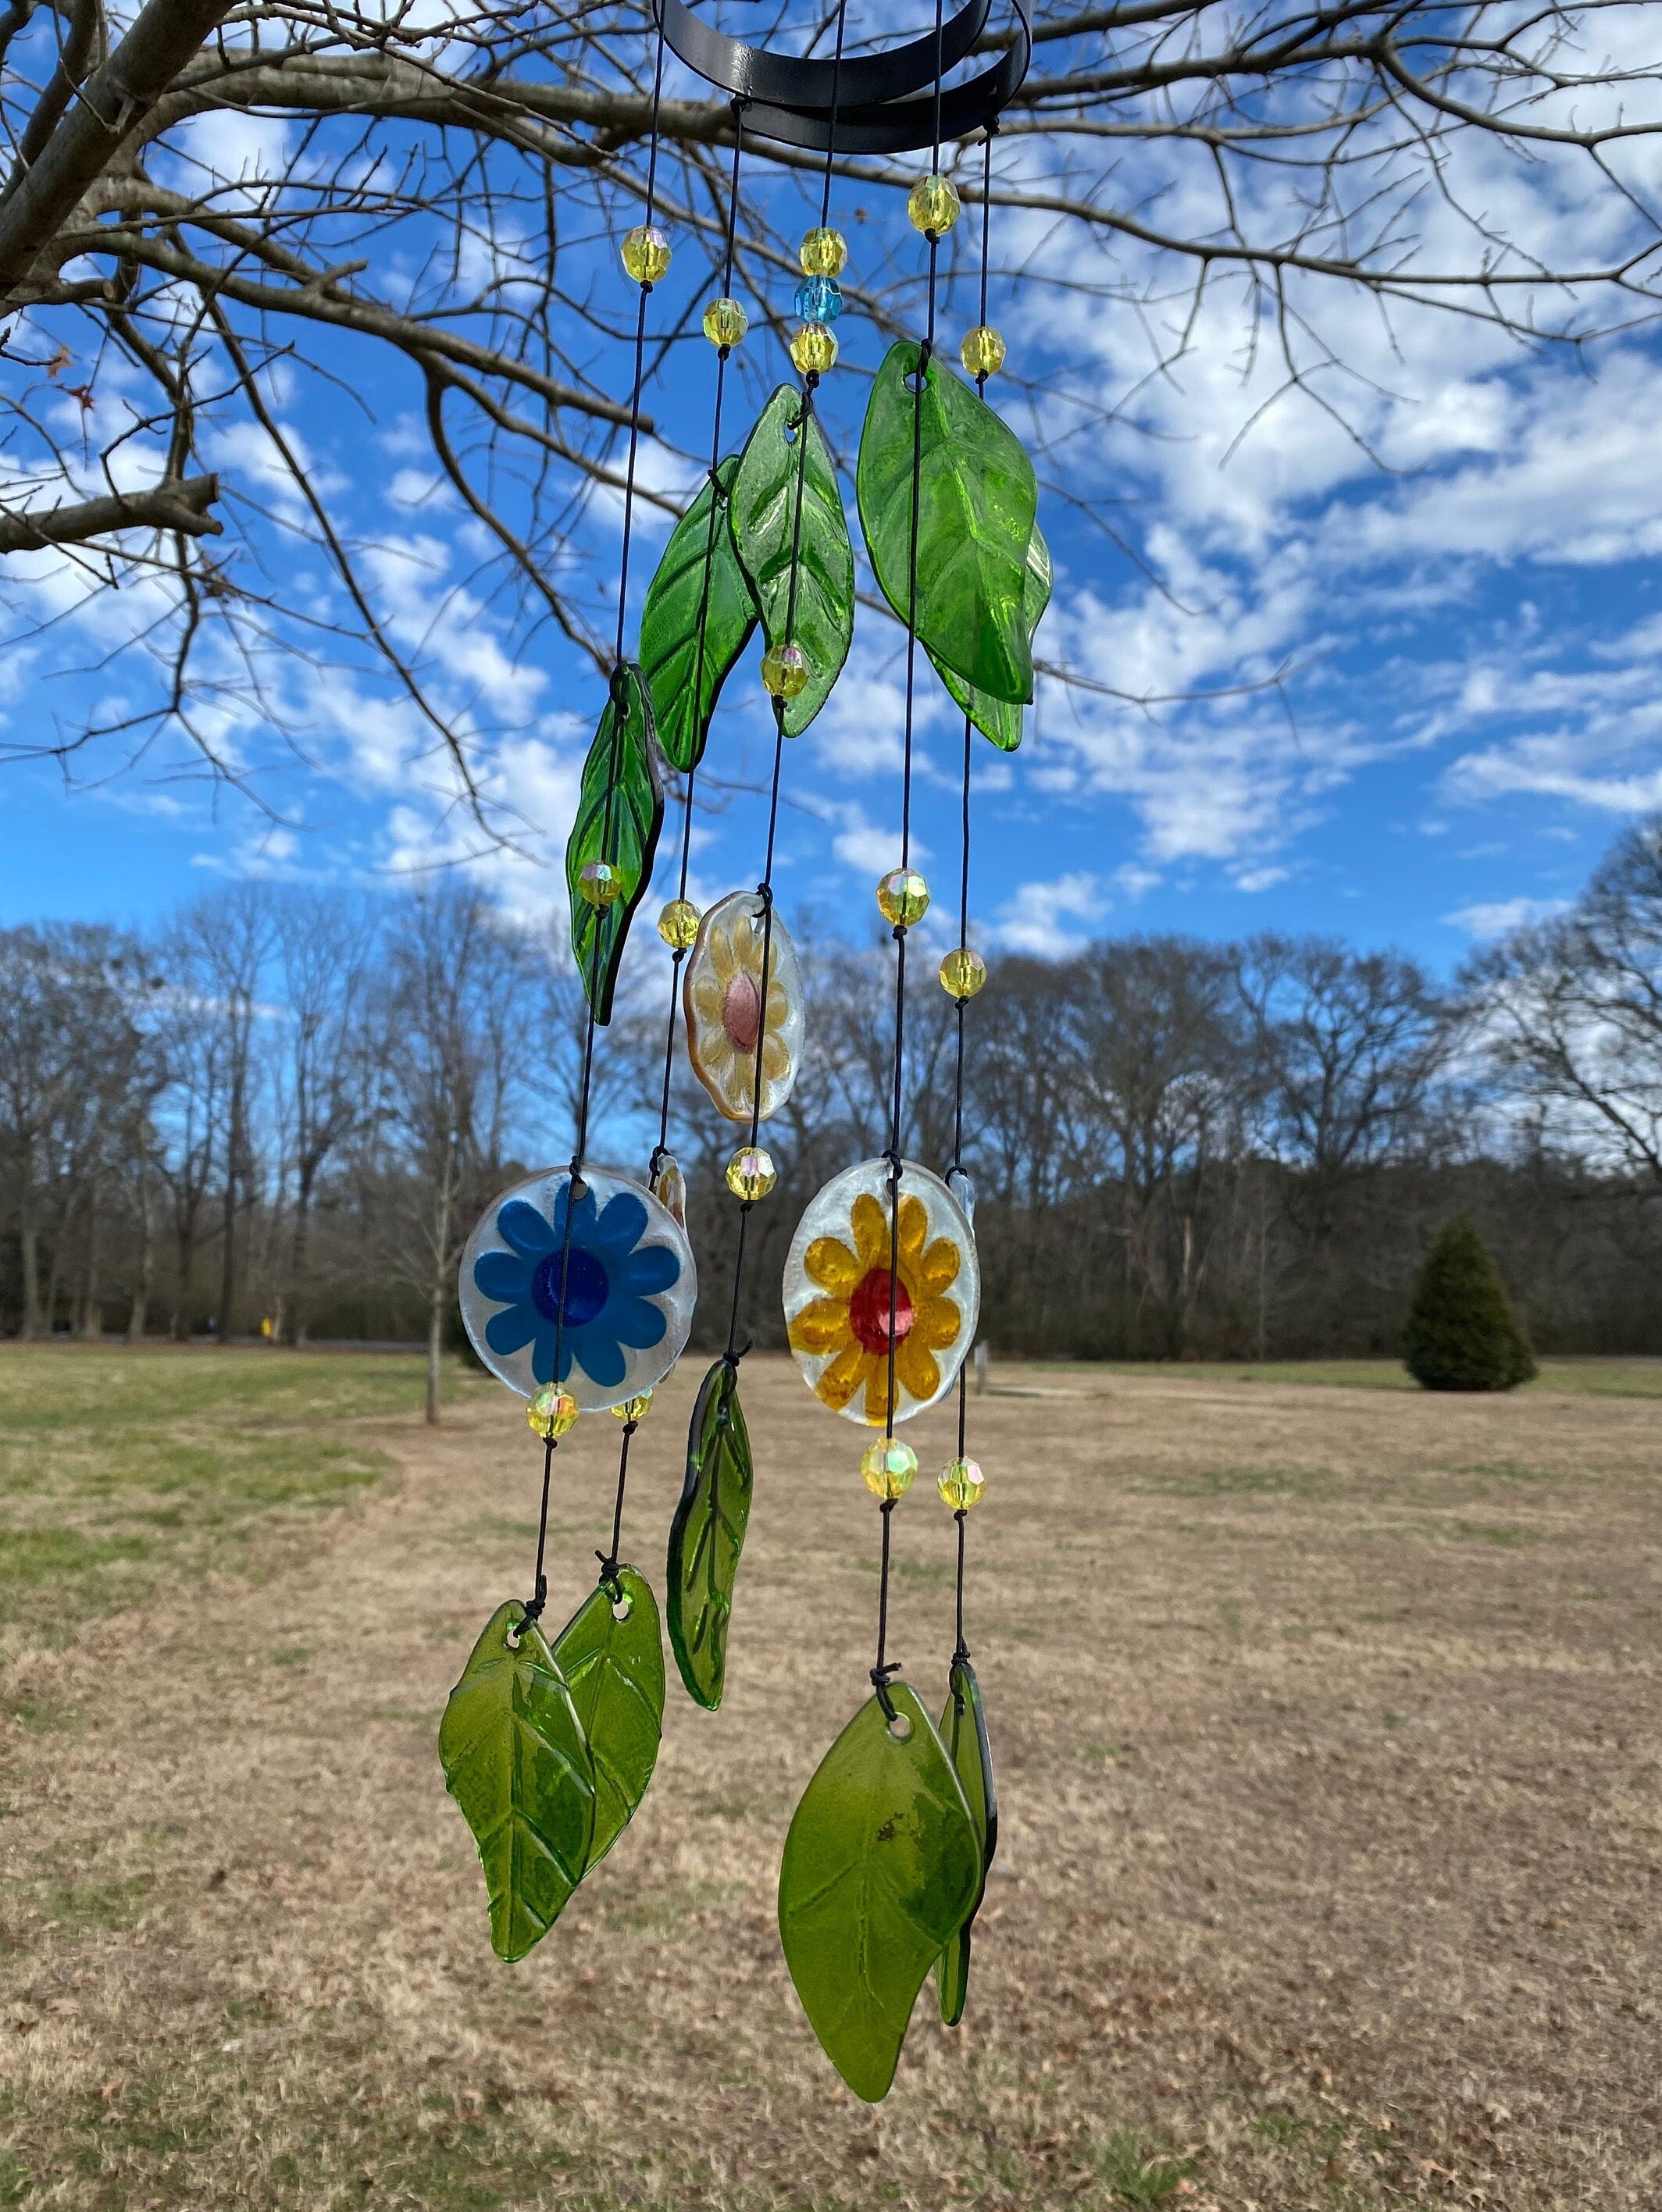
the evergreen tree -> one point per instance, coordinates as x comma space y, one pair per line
1462, 1332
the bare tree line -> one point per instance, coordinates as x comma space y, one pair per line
285, 1107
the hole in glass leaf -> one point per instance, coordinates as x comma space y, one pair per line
900, 1727
622, 1607
790, 433
915, 381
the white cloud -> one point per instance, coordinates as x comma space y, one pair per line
1034, 919
1495, 917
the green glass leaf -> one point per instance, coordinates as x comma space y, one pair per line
963, 1732
699, 583
611, 1653
882, 1865
995, 718
623, 760
707, 1535
516, 1760
776, 458
977, 497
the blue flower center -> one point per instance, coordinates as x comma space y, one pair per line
586, 1286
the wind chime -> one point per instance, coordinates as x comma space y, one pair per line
578, 1284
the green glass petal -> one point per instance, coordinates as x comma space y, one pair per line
615, 1667
995, 718
707, 1535
977, 497
776, 458
624, 761
516, 1760
699, 589
882, 1865
963, 1732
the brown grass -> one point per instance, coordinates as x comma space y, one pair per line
1327, 1725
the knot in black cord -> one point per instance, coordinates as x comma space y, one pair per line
609, 1564
898, 933
765, 892
533, 1605
730, 1358
618, 685
895, 1166
879, 1682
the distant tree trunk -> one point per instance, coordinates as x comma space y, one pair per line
227, 1259
439, 1296
181, 1314
139, 1313
29, 1239
91, 1322
300, 1252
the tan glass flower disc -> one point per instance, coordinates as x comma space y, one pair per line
724, 999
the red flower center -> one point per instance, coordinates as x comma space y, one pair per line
868, 1311
741, 1012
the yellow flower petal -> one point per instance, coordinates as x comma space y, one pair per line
831, 1264
842, 1379
914, 1366
707, 997
877, 1390
938, 1266
822, 1326
871, 1231
721, 955
936, 1323
914, 1226
775, 1059
747, 945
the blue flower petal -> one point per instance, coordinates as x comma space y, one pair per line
622, 1224
598, 1351
651, 1268
584, 1214
633, 1322
504, 1276
542, 1352
524, 1228
511, 1330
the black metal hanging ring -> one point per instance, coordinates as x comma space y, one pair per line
884, 103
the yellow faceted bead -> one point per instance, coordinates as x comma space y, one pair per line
785, 670
983, 351
678, 925
903, 898
961, 1485
599, 884
962, 973
646, 253
551, 1412
751, 1173
824, 254
726, 323
933, 205
636, 1409
888, 1468
813, 350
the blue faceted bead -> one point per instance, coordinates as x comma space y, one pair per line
819, 299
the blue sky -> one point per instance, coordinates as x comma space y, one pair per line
1447, 541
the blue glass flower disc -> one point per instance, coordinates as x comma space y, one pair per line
819, 299
596, 1294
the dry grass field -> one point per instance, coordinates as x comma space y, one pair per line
1328, 1729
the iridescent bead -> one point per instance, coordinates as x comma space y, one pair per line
751, 1173
932, 204
823, 254
636, 1409
964, 1191
678, 925
819, 299
813, 350
962, 973
961, 1485
888, 1468
551, 1412
669, 1186
981, 352
784, 670
903, 898
646, 253
599, 884
726, 323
